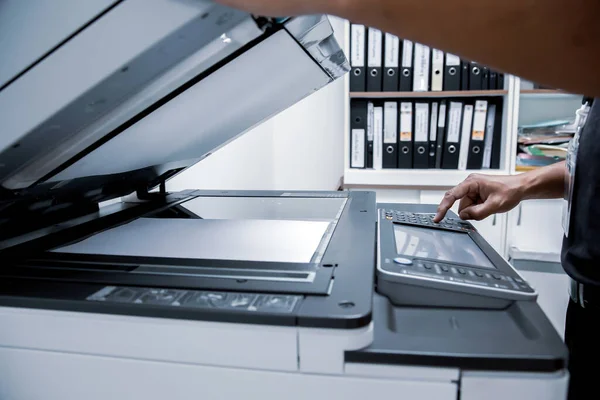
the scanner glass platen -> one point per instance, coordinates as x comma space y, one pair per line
267, 229
251, 240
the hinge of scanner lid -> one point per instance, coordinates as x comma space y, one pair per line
144, 194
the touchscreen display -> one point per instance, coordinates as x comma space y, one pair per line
439, 245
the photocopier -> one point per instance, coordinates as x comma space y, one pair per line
111, 287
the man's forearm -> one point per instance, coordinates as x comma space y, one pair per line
544, 183
551, 42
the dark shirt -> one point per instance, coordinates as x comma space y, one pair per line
581, 249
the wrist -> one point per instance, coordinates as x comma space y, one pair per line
528, 184
543, 183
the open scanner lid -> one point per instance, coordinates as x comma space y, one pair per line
105, 98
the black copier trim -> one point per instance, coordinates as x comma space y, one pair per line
523, 339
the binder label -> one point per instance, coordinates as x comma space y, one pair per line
378, 139
392, 50
452, 60
454, 122
438, 60
489, 139
390, 118
421, 78
375, 45
370, 117
406, 122
433, 123
358, 46
464, 143
442, 119
421, 122
358, 148
407, 54
437, 64
479, 120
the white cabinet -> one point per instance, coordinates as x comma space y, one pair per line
535, 230
535, 227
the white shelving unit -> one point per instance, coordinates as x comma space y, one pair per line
428, 178
513, 230
435, 178
409, 179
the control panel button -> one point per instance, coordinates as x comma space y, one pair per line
479, 274
461, 271
445, 269
426, 219
497, 277
403, 261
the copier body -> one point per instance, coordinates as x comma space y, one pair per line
110, 286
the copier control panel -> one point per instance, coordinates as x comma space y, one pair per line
450, 257
426, 220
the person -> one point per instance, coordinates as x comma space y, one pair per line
555, 43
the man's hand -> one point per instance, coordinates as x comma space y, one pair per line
281, 8
481, 196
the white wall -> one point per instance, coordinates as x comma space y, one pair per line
536, 109
275, 155
244, 164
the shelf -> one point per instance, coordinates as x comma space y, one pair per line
542, 91
546, 93
409, 178
407, 95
